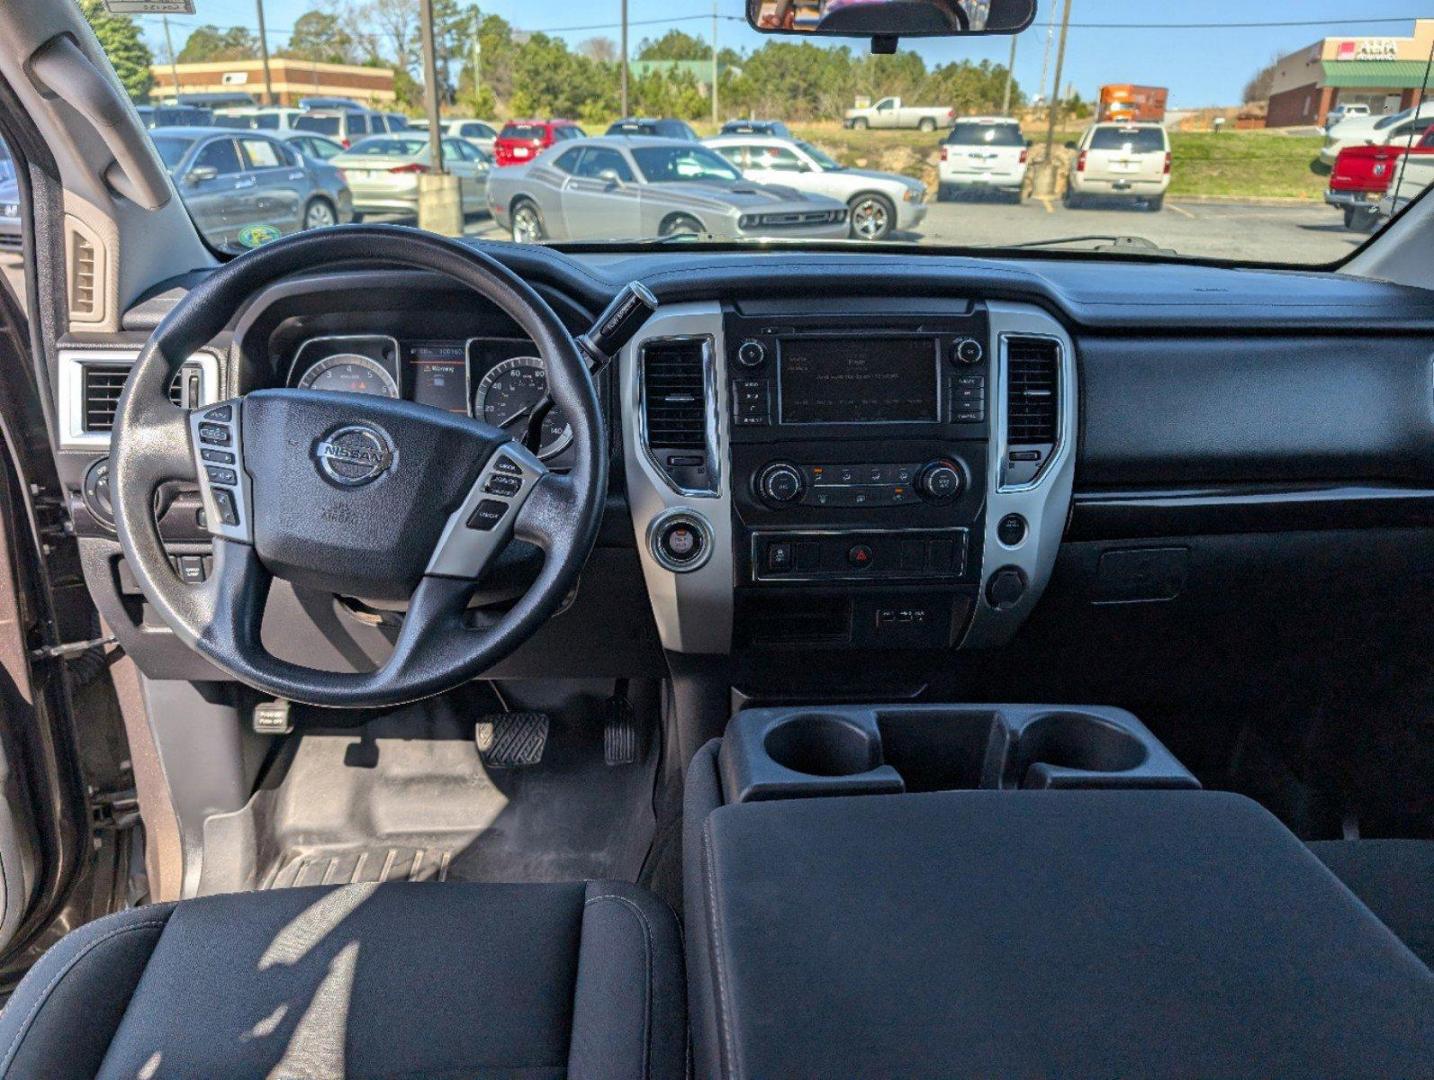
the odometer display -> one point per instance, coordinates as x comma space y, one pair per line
350, 373
506, 397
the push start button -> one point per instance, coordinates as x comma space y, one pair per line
681, 541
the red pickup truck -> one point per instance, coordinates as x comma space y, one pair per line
1361, 177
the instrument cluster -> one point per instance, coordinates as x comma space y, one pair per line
494, 379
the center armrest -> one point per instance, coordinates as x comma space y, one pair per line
1070, 933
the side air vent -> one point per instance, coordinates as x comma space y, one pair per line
84, 278
1032, 404
103, 384
679, 419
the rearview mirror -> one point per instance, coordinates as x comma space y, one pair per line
890, 18
201, 173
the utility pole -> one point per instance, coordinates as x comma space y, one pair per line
1046, 56
477, 61
173, 66
714, 62
264, 55
440, 205
1010, 76
624, 57
1049, 177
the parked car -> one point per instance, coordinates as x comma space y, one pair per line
331, 103
1340, 113
233, 182
984, 153
1414, 172
257, 118
597, 188
480, 133
383, 172
662, 129
347, 126
1362, 176
1121, 161
12, 236
757, 127
312, 146
1397, 129
156, 116
398, 121
889, 112
880, 203
524, 140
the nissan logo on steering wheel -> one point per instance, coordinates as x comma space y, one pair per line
354, 455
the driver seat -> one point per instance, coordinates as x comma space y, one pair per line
412, 979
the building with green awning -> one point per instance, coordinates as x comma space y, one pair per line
1387, 74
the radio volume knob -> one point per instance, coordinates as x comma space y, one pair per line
781, 483
751, 353
940, 480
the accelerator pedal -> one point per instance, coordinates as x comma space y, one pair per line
619, 733
511, 740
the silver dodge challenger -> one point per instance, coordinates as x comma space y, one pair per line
625, 187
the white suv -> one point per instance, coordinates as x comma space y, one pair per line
1121, 160
880, 203
986, 153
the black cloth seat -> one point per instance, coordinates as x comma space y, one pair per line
1395, 879
424, 979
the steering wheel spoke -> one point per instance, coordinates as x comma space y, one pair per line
485, 521
546, 519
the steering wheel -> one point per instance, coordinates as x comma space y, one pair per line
352, 494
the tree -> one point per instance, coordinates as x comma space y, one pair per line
1261, 83
207, 43
120, 39
321, 36
674, 45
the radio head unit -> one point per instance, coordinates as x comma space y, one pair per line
893, 379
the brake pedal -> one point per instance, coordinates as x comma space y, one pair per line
511, 740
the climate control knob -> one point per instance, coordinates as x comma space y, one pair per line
780, 483
751, 353
941, 480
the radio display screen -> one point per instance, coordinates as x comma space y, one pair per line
829, 380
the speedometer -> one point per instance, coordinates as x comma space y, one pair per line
506, 397
350, 373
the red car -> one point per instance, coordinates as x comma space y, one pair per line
1361, 177
521, 141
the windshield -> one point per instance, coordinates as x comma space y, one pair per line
1106, 128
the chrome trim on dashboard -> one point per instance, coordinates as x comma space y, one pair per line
396, 373
709, 391
1045, 503
693, 609
685, 517
70, 390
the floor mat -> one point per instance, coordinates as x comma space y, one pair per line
407, 797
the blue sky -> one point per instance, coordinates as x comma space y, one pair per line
1201, 67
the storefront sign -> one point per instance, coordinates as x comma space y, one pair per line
1369, 49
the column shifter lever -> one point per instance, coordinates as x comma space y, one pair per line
602, 341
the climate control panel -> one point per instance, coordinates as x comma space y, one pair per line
787, 483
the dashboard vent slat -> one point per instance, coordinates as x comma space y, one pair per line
674, 394
103, 384
1032, 391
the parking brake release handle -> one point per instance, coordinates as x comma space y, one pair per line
615, 327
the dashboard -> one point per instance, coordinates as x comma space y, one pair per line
499, 380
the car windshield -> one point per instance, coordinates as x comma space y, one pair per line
669, 164
985, 135
171, 149
1233, 116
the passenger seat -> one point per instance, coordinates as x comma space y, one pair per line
1395, 879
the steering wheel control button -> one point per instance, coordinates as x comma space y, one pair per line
221, 457
941, 480
220, 414
506, 466
215, 434
1006, 587
680, 540
967, 351
228, 510
487, 514
751, 354
502, 484
860, 556
1011, 530
222, 476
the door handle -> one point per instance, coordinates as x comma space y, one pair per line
247, 181
296, 175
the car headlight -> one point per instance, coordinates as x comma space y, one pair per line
911, 195
748, 221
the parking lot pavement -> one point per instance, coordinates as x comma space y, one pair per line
1297, 234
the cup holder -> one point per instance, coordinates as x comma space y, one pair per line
822, 744
1076, 741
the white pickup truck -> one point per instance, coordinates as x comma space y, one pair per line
889, 112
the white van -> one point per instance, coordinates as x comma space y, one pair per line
1121, 160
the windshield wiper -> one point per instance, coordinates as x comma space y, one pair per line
1130, 245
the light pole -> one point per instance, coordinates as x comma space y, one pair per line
1010, 76
264, 55
173, 65
1048, 178
624, 57
440, 206
714, 62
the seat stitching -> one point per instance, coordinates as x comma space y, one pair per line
647, 968
714, 920
55, 982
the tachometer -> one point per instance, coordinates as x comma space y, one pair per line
350, 373
506, 396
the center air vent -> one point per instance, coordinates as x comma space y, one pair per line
103, 384
678, 411
1032, 391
